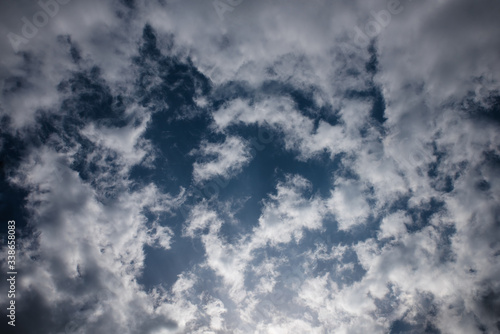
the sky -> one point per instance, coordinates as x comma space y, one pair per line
250, 166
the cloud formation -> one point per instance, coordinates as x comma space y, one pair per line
370, 205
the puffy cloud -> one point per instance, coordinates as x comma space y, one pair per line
348, 203
405, 120
394, 225
288, 214
103, 250
215, 309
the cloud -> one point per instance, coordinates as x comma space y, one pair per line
393, 226
225, 159
126, 141
282, 114
215, 309
348, 203
288, 214
103, 248
406, 126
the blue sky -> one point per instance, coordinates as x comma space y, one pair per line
251, 166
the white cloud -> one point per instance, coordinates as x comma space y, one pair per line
200, 218
282, 114
393, 226
288, 213
103, 245
433, 145
215, 309
225, 159
348, 203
